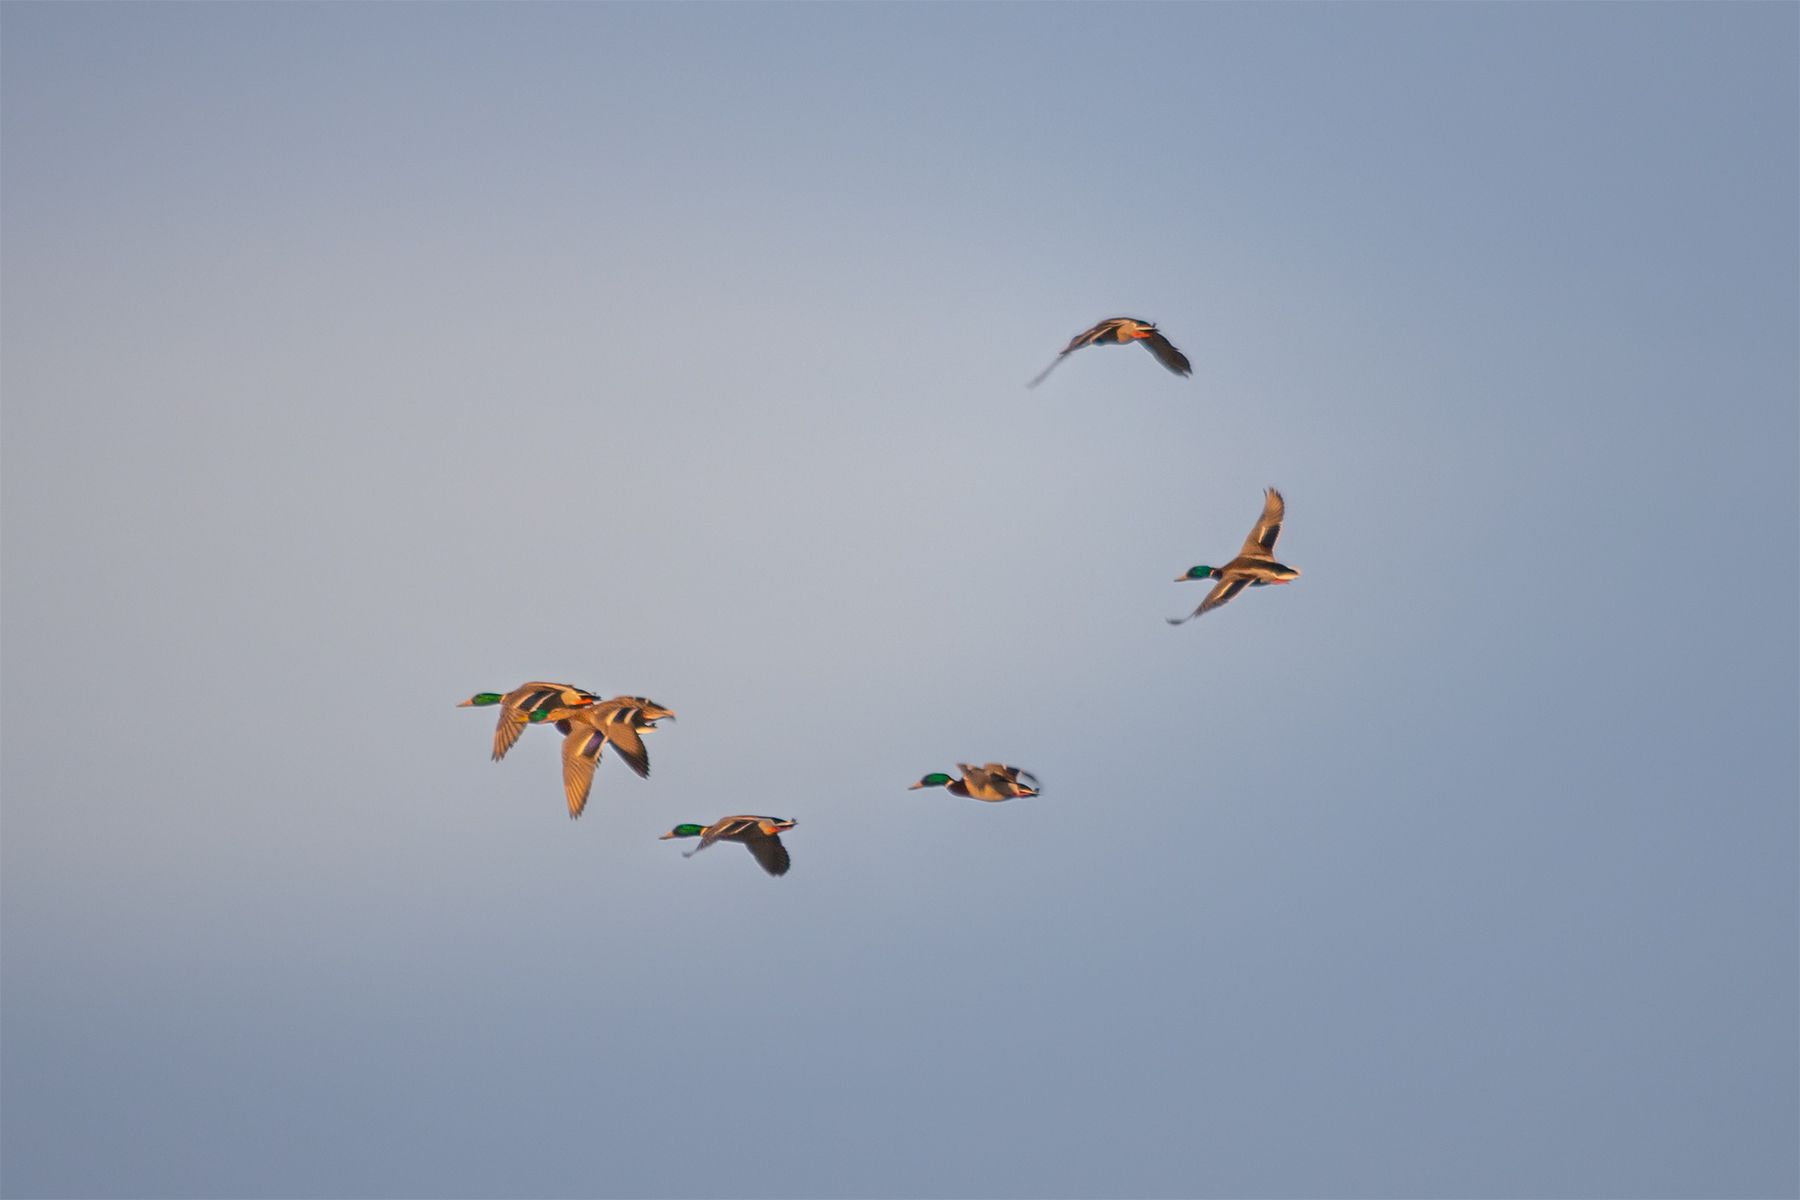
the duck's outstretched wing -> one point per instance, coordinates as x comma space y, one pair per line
1045, 373
1261, 542
724, 827
1166, 353
1086, 337
629, 745
983, 776
770, 853
580, 755
506, 733
1025, 777
1222, 591
518, 705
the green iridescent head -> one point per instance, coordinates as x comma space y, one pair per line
482, 700
935, 779
681, 831
1200, 572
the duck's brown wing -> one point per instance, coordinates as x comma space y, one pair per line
1045, 373
998, 773
1222, 591
529, 697
580, 755
627, 743
982, 776
1167, 354
1099, 331
1020, 776
1010, 780
1086, 337
506, 733
518, 705
1261, 542
984, 783
723, 828
770, 853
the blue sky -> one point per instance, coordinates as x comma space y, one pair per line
358, 358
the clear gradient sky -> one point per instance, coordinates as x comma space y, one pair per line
361, 357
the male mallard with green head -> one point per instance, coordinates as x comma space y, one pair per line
586, 729
517, 706
1255, 565
992, 782
761, 835
1120, 331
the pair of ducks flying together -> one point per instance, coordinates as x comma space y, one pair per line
762, 835
1255, 565
588, 725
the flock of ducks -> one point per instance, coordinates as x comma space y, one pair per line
589, 724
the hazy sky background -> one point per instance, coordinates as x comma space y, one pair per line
358, 358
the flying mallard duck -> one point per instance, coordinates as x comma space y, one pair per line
586, 729
992, 782
1122, 330
1254, 566
517, 706
762, 835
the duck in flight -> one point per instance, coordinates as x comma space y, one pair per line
992, 782
517, 706
1120, 331
760, 835
1254, 566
